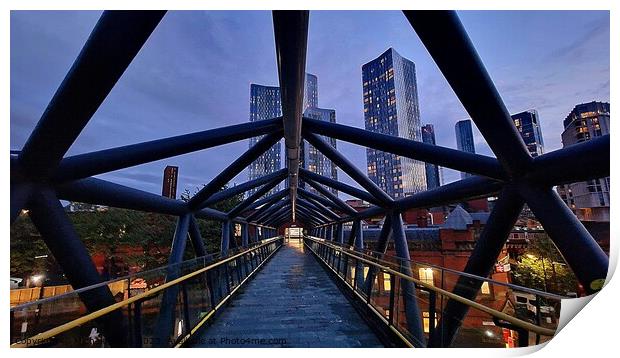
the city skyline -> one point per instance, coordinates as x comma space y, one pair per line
149, 101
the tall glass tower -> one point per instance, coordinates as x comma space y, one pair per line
528, 124
391, 107
432, 170
264, 104
464, 139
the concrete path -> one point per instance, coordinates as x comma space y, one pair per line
291, 302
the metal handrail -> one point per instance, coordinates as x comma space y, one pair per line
495, 313
41, 337
533, 291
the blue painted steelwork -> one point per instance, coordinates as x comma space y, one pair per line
40, 176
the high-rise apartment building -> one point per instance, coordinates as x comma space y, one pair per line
265, 104
432, 170
391, 107
169, 186
464, 139
528, 125
589, 200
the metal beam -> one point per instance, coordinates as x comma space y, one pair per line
449, 45
446, 157
110, 48
480, 263
232, 170
580, 162
412, 312
346, 208
343, 163
103, 161
57, 232
279, 195
360, 194
252, 198
291, 35
276, 177
196, 238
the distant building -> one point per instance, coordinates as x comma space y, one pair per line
169, 187
464, 140
589, 200
432, 171
264, 104
311, 158
528, 125
391, 107
75, 207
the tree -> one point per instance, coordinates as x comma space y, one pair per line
542, 267
211, 230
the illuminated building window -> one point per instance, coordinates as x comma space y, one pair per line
427, 321
485, 288
387, 284
426, 275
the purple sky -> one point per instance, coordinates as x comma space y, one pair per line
194, 73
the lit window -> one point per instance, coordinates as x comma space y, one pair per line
485, 288
426, 275
426, 318
387, 284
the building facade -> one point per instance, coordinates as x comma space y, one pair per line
464, 140
528, 125
312, 159
589, 200
264, 104
391, 107
169, 186
433, 179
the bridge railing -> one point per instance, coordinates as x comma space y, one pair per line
501, 315
192, 291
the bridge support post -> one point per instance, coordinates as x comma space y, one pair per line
225, 243
384, 236
244, 235
165, 320
60, 237
196, 238
340, 233
412, 312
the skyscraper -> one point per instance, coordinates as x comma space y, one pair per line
432, 170
169, 186
589, 200
264, 104
528, 125
311, 158
464, 139
391, 107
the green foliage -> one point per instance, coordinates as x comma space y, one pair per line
132, 237
542, 267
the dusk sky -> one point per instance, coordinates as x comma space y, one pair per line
194, 73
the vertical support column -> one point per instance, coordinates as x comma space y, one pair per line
340, 233
194, 234
58, 233
245, 234
412, 312
165, 321
480, 263
225, 243
384, 236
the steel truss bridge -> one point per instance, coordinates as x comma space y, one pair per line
193, 292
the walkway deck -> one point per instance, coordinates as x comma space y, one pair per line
291, 302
